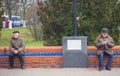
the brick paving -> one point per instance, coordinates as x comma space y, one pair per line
59, 72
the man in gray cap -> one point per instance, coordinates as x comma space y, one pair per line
104, 43
17, 48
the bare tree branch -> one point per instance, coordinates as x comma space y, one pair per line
13, 4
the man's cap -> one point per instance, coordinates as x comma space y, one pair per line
16, 32
104, 30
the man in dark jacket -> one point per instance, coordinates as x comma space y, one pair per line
104, 43
17, 48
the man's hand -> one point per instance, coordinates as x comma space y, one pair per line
104, 42
109, 43
16, 52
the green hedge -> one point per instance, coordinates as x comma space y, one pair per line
57, 19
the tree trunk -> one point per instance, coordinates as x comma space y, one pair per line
9, 14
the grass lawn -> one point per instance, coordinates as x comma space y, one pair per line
7, 33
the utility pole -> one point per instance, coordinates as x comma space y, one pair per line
74, 11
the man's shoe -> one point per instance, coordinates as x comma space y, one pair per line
10, 67
108, 69
100, 69
23, 67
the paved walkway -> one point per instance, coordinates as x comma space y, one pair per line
59, 72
